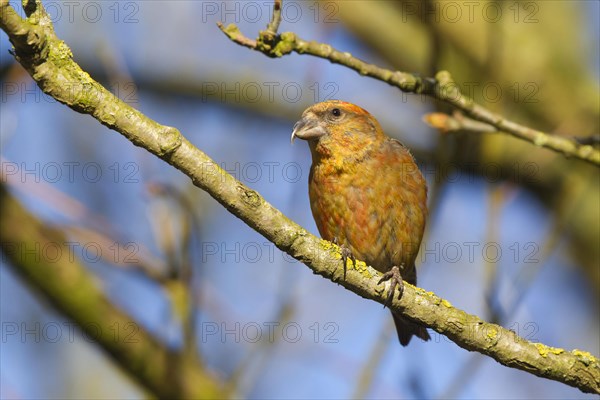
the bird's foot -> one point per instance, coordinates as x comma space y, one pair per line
394, 276
346, 254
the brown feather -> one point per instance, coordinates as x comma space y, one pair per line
367, 192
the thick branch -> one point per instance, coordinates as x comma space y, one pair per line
66, 283
576, 368
442, 87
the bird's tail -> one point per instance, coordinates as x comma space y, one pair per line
406, 329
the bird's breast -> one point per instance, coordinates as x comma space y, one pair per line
366, 208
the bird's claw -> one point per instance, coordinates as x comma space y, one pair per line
346, 254
394, 276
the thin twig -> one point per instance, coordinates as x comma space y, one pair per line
273, 26
456, 122
442, 87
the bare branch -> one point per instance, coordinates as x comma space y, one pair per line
273, 26
456, 122
442, 87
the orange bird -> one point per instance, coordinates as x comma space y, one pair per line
366, 194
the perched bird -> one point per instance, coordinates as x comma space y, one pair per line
366, 194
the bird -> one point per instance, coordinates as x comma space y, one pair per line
366, 194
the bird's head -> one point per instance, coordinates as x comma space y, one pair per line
337, 128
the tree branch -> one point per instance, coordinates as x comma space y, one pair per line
69, 287
273, 26
49, 62
456, 122
442, 87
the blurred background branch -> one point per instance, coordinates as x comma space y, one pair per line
68, 286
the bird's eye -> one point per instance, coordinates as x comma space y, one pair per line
336, 112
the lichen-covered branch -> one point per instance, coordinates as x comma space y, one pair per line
442, 87
49, 62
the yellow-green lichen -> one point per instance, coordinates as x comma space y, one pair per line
286, 44
492, 333
276, 46
584, 356
326, 245
58, 53
359, 266
556, 350
544, 350
446, 303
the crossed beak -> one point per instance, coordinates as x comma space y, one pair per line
308, 128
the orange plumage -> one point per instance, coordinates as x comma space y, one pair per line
366, 192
